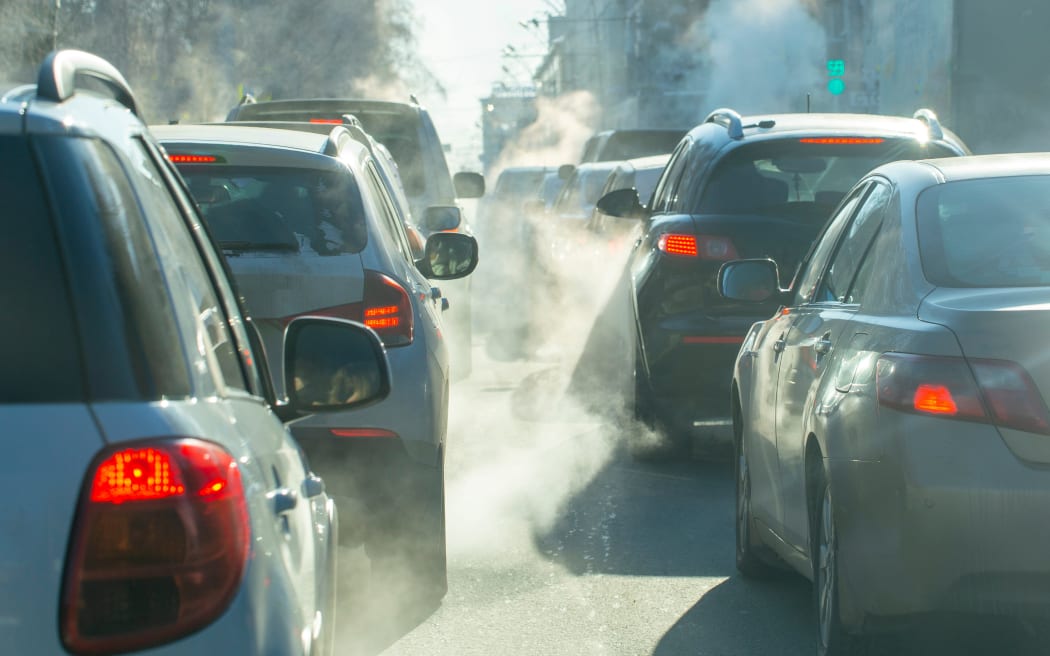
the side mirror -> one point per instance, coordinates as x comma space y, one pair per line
439, 218
751, 281
449, 255
622, 203
565, 171
332, 365
468, 184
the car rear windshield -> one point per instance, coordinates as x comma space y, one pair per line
519, 183
631, 144
992, 232
582, 190
800, 179
292, 210
38, 345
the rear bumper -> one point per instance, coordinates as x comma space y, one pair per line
950, 521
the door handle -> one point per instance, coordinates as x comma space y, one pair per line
435, 293
823, 347
283, 500
444, 304
313, 486
780, 344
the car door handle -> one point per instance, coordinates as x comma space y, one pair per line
435, 293
444, 304
823, 347
780, 344
283, 500
313, 486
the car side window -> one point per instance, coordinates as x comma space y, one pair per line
666, 190
810, 274
854, 245
390, 222
203, 322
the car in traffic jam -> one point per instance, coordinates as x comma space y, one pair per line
743, 352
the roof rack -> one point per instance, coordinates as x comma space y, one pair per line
21, 93
57, 78
933, 126
728, 118
356, 130
331, 144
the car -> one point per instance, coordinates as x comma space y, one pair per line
311, 228
905, 456
737, 187
616, 145
501, 213
407, 130
158, 502
640, 174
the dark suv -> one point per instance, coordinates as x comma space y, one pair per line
153, 494
738, 187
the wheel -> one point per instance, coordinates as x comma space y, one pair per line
748, 561
832, 638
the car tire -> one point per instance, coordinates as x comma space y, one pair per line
832, 637
748, 560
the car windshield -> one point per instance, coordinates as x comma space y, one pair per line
249, 208
802, 178
581, 191
986, 233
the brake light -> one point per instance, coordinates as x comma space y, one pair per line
387, 309
705, 247
327, 121
363, 432
193, 159
985, 391
158, 547
841, 141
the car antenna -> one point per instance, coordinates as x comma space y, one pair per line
807, 102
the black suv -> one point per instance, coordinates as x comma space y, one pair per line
738, 187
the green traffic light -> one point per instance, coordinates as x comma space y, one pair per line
836, 87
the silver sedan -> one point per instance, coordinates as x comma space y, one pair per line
892, 438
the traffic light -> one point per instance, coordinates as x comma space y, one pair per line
836, 71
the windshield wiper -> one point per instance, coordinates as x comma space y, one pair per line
277, 246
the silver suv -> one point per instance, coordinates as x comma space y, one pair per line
154, 494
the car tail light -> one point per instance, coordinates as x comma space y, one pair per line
363, 432
387, 309
158, 548
705, 247
985, 391
842, 141
193, 159
327, 121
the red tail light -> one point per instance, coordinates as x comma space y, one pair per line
705, 247
327, 121
842, 141
992, 391
387, 309
193, 159
158, 547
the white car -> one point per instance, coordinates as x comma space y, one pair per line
309, 226
155, 499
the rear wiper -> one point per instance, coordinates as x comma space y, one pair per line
281, 246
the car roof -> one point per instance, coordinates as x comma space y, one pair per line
650, 162
231, 133
953, 169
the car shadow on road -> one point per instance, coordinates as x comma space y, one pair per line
646, 519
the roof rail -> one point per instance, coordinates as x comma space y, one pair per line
729, 119
57, 78
331, 144
357, 131
20, 93
933, 126
350, 119
412, 97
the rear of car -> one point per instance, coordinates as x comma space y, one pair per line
408, 132
614, 233
617, 145
741, 188
141, 451
953, 479
307, 229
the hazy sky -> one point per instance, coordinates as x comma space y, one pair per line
462, 42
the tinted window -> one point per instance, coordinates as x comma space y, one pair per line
796, 180
203, 321
389, 222
664, 196
986, 233
806, 286
251, 208
631, 144
519, 183
855, 244
38, 345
